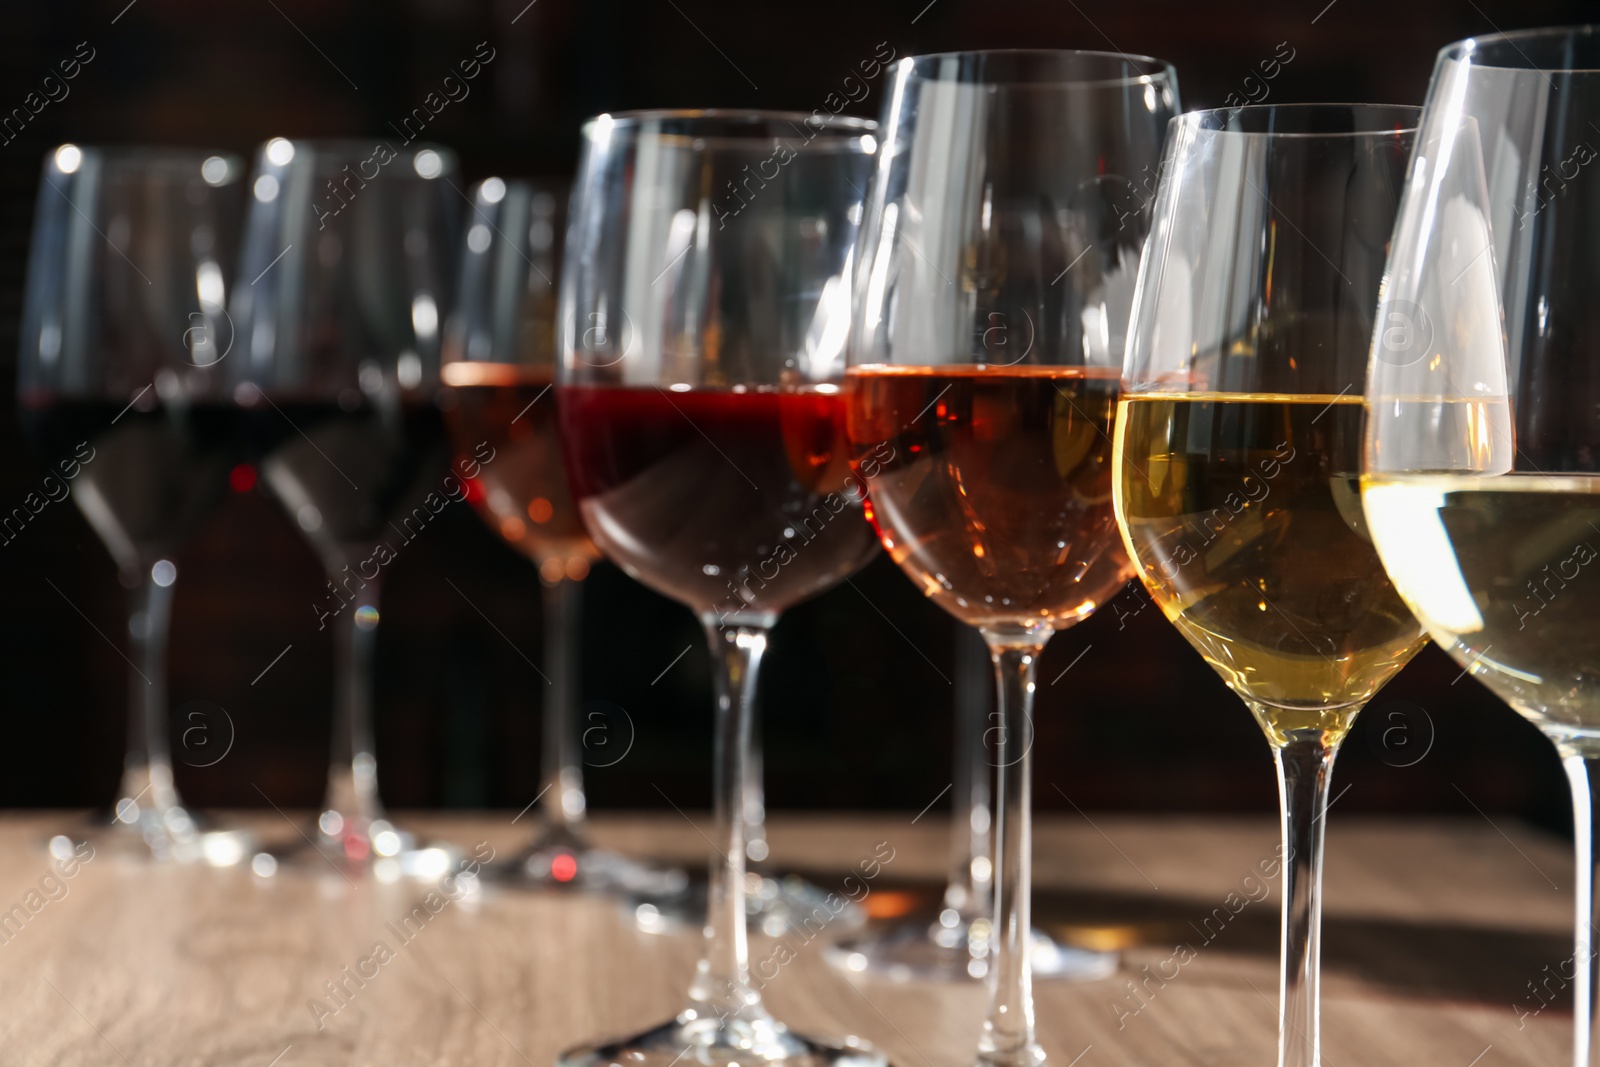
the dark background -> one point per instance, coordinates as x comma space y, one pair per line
856, 696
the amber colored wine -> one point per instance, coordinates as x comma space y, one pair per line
1504, 571
991, 486
523, 493
1242, 513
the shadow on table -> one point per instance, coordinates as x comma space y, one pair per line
1419, 959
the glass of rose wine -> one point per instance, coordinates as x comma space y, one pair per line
498, 372
1482, 464
1238, 449
704, 304
347, 267
120, 393
998, 255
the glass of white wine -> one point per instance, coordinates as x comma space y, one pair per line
1238, 445
1481, 478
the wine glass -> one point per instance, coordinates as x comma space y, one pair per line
1481, 478
498, 370
954, 946
1238, 448
347, 267
704, 305
998, 253
119, 391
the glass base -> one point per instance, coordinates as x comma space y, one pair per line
913, 951
573, 866
163, 835
706, 1043
774, 906
388, 853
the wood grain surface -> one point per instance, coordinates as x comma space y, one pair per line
1437, 934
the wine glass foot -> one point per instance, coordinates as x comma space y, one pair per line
569, 864
161, 835
914, 951
707, 1043
774, 906
358, 848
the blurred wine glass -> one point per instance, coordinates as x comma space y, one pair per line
954, 945
120, 392
498, 374
347, 268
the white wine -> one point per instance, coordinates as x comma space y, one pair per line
1242, 514
1504, 571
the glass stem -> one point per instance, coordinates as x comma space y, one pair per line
1008, 1036
1305, 767
966, 892
353, 768
755, 795
1581, 776
561, 773
721, 987
147, 768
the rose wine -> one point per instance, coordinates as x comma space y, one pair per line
991, 487
737, 503
1242, 513
150, 473
1504, 571
523, 493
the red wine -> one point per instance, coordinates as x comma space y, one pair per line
354, 476
736, 503
153, 474
523, 494
991, 487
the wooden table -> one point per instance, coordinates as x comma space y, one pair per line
1434, 930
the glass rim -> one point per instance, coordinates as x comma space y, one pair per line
1195, 121
341, 146
1468, 49
529, 183
841, 131
1163, 73
152, 155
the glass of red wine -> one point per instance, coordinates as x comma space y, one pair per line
498, 371
120, 393
998, 253
704, 306
346, 271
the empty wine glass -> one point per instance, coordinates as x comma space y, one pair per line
1481, 480
705, 299
347, 268
120, 393
498, 371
